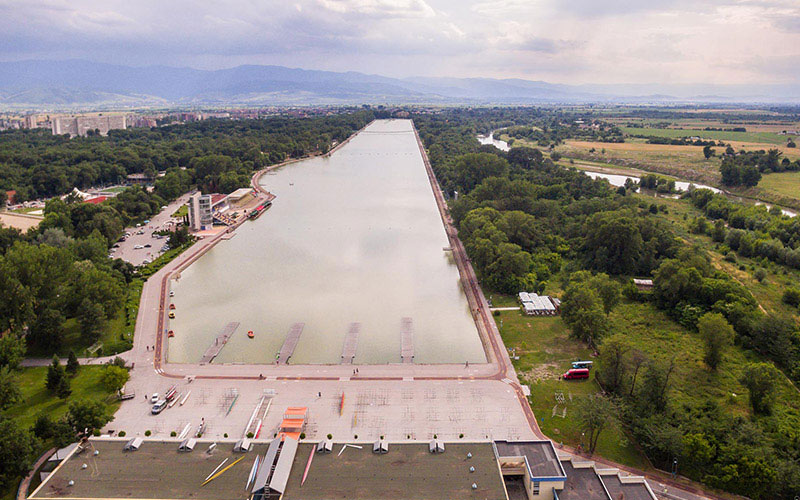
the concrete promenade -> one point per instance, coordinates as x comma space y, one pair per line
398, 401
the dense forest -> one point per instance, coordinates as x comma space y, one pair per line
525, 221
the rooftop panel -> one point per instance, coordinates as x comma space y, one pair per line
408, 471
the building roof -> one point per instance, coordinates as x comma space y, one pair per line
637, 281
407, 471
96, 200
157, 470
217, 198
541, 456
631, 489
582, 483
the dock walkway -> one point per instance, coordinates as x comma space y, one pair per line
350, 344
407, 340
287, 349
222, 339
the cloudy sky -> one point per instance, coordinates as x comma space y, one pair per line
565, 41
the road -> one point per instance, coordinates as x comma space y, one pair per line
126, 250
398, 401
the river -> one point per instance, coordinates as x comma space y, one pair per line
619, 180
354, 237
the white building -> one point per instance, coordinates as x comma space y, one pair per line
200, 215
81, 125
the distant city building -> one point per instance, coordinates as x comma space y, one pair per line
139, 179
82, 125
200, 214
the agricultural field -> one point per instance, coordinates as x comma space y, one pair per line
717, 135
784, 183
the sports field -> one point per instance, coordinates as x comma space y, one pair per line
717, 135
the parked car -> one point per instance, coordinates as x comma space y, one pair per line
583, 364
154, 398
576, 373
159, 407
148, 245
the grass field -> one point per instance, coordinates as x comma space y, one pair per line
717, 135
545, 351
37, 399
183, 211
784, 183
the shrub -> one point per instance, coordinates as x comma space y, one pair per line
121, 434
173, 434
302, 435
496, 313
355, 436
461, 436
225, 435
760, 274
791, 296
250, 435
330, 436
96, 432
147, 432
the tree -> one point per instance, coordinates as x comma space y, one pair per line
92, 319
613, 242
594, 413
9, 390
470, 169
759, 379
17, 449
55, 373
791, 296
63, 389
608, 290
652, 396
612, 370
114, 377
85, 416
708, 152
717, 334
47, 332
12, 350
582, 311
72, 364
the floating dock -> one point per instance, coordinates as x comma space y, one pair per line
407, 340
287, 349
350, 344
222, 339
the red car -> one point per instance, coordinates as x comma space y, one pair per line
576, 373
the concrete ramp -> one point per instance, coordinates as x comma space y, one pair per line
292, 338
219, 342
407, 340
350, 344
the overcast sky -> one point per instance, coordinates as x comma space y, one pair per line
564, 41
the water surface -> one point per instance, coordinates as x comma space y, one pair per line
355, 237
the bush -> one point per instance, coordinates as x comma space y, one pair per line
250, 435
147, 432
760, 274
355, 436
330, 436
173, 434
791, 296
496, 313
461, 436
225, 435
96, 432
302, 435
121, 434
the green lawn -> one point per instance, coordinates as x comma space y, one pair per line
717, 135
784, 183
37, 399
183, 211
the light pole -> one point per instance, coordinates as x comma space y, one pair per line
674, 467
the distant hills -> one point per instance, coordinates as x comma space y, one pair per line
83, 84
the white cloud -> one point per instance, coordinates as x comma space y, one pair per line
575, 41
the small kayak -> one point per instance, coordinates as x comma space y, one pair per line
172, 306
250, 334
171, 315
171, 334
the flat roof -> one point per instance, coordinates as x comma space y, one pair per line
407, 471
542, 458
582, 483
157, 470
626, 491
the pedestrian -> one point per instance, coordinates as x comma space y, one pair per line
145, 397
319, 395
356, 371
466, 365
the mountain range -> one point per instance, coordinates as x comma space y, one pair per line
75, 84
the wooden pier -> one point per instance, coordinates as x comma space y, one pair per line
222, 339
407, 340
287, 349
350, 344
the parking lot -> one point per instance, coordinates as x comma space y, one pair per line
142, 244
